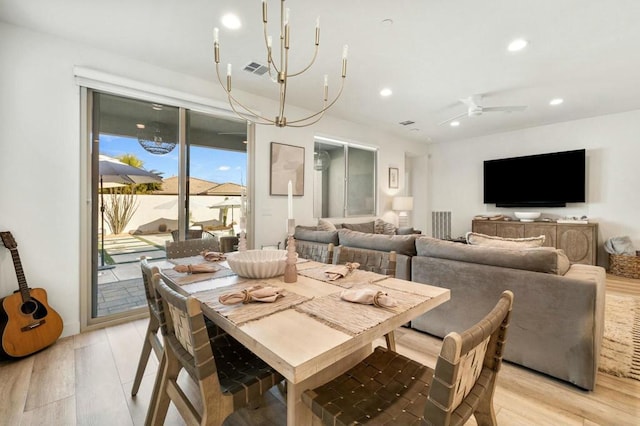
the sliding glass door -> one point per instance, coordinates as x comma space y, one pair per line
159, 173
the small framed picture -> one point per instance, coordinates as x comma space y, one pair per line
393, 178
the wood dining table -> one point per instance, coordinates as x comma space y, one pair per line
310, 335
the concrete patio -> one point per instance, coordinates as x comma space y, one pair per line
120, 287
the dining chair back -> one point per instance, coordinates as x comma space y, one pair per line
237, 380
380, 262
389, 388
176, 249
151, 337
312, 250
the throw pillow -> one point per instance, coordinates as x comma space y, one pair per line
382, 227
325, 225
474, 238
360, 227
563, 262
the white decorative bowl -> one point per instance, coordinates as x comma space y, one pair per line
527, 216
257, 263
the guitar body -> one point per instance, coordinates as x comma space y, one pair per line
27, 322
31, 326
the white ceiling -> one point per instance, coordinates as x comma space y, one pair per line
436, 52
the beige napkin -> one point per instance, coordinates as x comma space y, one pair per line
367, 296
341, 271
252, 294
201, 268
213, 256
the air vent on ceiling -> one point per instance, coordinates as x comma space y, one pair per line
407, 122
256, 68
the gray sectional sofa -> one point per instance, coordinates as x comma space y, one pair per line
558, 314
557, 322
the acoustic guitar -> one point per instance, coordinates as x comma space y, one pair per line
27, 322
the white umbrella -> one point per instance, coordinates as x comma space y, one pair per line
116, 173
226, 203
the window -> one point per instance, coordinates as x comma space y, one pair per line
344, 179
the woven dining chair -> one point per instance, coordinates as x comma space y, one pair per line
151, 338
228, 375
312, 250
390, 389
380, 262
186, 248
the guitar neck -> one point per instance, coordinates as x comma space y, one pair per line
22, 281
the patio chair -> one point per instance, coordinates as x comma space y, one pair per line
389, 388
237, 380
370, 260
176, 249
151, 338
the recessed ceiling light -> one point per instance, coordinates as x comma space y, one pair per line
231, 21
454, 124
556, 101
140, 126
517, 45
386, 92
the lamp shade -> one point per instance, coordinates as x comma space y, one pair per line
403, 204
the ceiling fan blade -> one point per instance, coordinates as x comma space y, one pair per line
464, 114
469, 102
506, 108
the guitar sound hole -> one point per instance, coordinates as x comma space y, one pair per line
29, 307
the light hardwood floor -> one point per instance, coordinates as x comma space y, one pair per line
86, 380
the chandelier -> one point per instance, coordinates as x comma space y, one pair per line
151, 136
279, 74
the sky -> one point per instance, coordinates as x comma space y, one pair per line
214, 165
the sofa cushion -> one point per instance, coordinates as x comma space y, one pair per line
406, 230
542, 259
325, 225
475, 238
325, 237
367, 227
382, 227
401, 244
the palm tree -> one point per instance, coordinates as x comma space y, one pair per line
142, 188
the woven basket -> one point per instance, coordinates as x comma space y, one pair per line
624, 265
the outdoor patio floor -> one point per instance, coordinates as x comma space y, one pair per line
120, 286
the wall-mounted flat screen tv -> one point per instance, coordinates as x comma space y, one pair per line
544, 180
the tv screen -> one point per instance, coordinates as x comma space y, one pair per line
544, 180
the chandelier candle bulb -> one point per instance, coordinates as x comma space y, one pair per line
216, 35
317, 31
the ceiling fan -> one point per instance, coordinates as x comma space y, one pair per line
475, 108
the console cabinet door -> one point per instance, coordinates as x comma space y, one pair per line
546, 229
578, 242
510, 230
484, 227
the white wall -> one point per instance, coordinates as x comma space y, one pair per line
40, 158
613, 172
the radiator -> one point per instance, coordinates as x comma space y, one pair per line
441, 225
